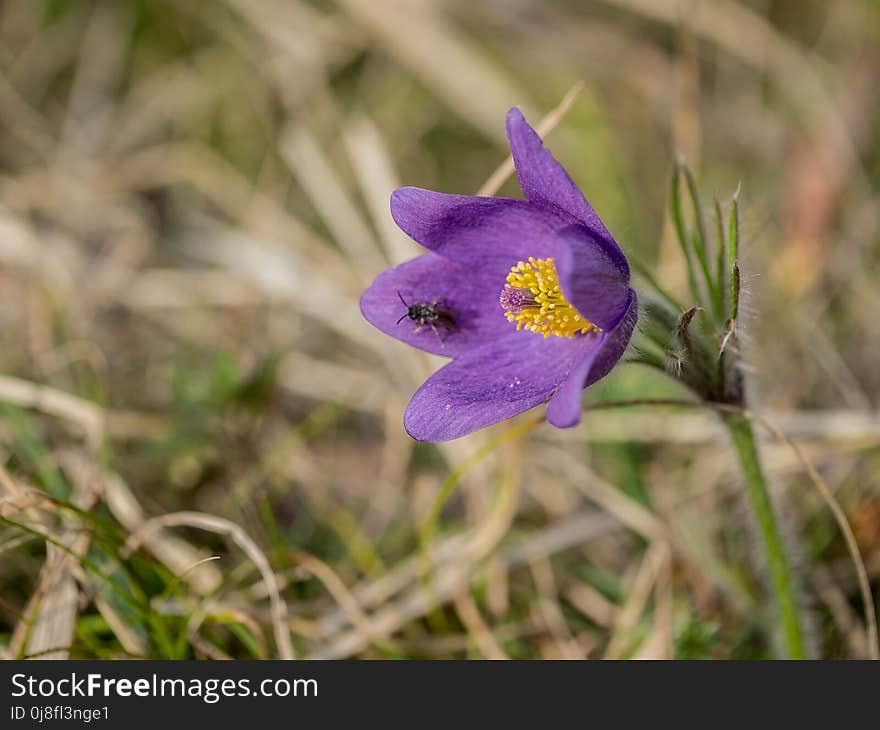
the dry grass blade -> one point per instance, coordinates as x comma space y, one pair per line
815, 478
216, 609
286, 276
375, 173
544, 127
449, 579
744, 33
55, 403
843, 523
337, 588
563, 643
611, 499
466, 78
445, 582
470, 616
53, 626
647, 574
239, 536
314, 172
179, 556
591, 603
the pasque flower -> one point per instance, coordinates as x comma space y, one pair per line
530, 298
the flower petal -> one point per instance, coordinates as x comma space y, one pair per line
543, 180
499, 380
469, 295
564, 409
593, 275
464, 227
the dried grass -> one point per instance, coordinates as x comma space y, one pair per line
189, 209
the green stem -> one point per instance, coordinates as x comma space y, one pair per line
778, 565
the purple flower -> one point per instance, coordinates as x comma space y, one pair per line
530, 298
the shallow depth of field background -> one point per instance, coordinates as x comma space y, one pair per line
200, 438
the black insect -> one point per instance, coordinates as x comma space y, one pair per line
428, 315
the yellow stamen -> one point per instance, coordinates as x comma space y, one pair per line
533, 300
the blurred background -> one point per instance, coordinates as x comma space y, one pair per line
200, 438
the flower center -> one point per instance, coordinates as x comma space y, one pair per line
532, 298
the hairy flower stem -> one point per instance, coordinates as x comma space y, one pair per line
778, 564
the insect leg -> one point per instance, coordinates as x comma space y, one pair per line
436, 331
